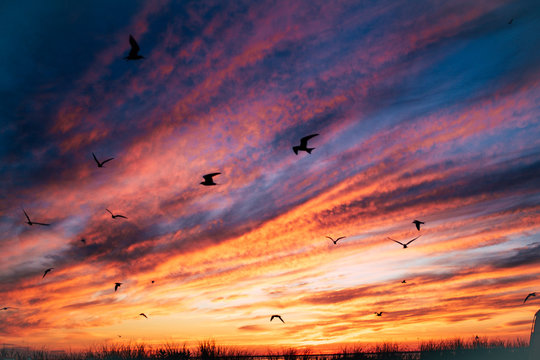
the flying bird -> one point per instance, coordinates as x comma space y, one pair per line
152, 281
528, 296
379, 313
100, 164
142, 314
47, 271
134, 52
30, 222
403, 282
116, 216
335, 241
6, 308
405, 245
83, 240
208, 181
303, 144
510, 22
116, 286
276, 316
417, 223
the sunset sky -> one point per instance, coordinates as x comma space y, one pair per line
426, 110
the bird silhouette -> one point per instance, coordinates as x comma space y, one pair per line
116, 216
142, 314
30, 222
276, 316
134, 52
116, 286
303, 144
405, 245
335, 241
379, 313
417, 223
6, 308
528, 296
83, 240
152, 281
100, 164
510, 22
208, 181
47, 271
403, 282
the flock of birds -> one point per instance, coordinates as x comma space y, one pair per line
209, 181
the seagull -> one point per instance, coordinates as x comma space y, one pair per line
403, 282
335, 241
405, 245
208, 179
152, 281
83, 240
303, 144
29, 222
116, 216
528, 296
510, 22
417, 223
142, 314
379, 313
46, 272
116, 286
276, 316
6, 308
100, 164
134, 52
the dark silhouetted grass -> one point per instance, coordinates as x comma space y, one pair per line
454, 349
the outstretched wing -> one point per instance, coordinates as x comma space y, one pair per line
96, 160
413, 240
25, 214
110, 212
208, 177
134, 46
106, 161
328, 237
528, 296
36, 223
304, 140
341, 237
121, 216
142, 314
400, 243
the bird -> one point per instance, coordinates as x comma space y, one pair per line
276, 316
379, 313
404, 282
152, 281
83, 240
510, 22
208, 181
528, 296
303, 144
100, 164
142, 314
116, 286
6, 308
47, 271
30, 222
405, 245
116, 216
335, 241
134, 52
417, 223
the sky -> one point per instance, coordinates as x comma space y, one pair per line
425, 110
